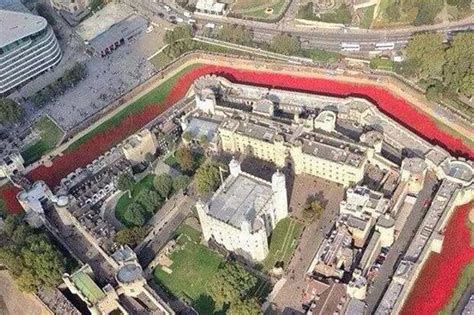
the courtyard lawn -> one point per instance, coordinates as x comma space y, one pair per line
155, 96
125, 201
49, 133
283, 242
193, 267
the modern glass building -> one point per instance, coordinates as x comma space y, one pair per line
28, 47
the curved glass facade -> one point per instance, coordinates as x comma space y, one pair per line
27, 57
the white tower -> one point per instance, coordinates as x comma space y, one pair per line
280, 199
234, 167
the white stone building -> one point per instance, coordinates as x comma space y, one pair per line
243, 212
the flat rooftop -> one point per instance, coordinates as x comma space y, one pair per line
103, 20
240, 200
17, 25
129, 273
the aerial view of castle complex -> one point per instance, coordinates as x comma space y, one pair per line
237, 157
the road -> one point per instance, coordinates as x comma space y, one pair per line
310, 36
401, 244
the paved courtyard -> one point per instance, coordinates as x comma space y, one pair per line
289, 297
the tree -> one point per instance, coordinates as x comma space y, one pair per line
459, 67
237, 34
285, 44
30, 256
126, 182
230, 284
244, 307
10, 111
130, 236
163, 184
427, 11
312, 210
187, 136
135, 214
207, 178
180, 182
178, 33
184, 158
149, 199
427, 50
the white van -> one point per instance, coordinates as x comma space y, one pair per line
187, 14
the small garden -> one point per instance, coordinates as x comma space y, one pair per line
49, 136
142, 199
203, 278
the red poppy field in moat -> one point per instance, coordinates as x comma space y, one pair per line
397, 108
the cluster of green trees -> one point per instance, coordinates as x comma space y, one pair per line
30, 256
130, 236
420, 12
285, 44
448, 68
207, 178
237, 34
234, 287
340, 15
70, 78
149, 199
10, 111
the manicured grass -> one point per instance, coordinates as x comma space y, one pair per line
261, 14
466, 278
367, 17
283, 242
193, 267
125, 201
381, 63
155, 96
320, 55
50, 134
248, 4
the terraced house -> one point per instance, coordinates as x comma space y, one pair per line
28, 47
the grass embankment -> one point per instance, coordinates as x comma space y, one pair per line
49, 134
283, 242
155, 96
464, 281
175, 50
124, 202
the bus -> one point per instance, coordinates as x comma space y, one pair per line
350, 47
385, 46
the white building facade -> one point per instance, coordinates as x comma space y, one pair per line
243, 212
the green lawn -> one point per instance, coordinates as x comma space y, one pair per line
367, 17
193, 267
155, 96
125, 201
283, 242
381, 63
261, 14
49, 133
